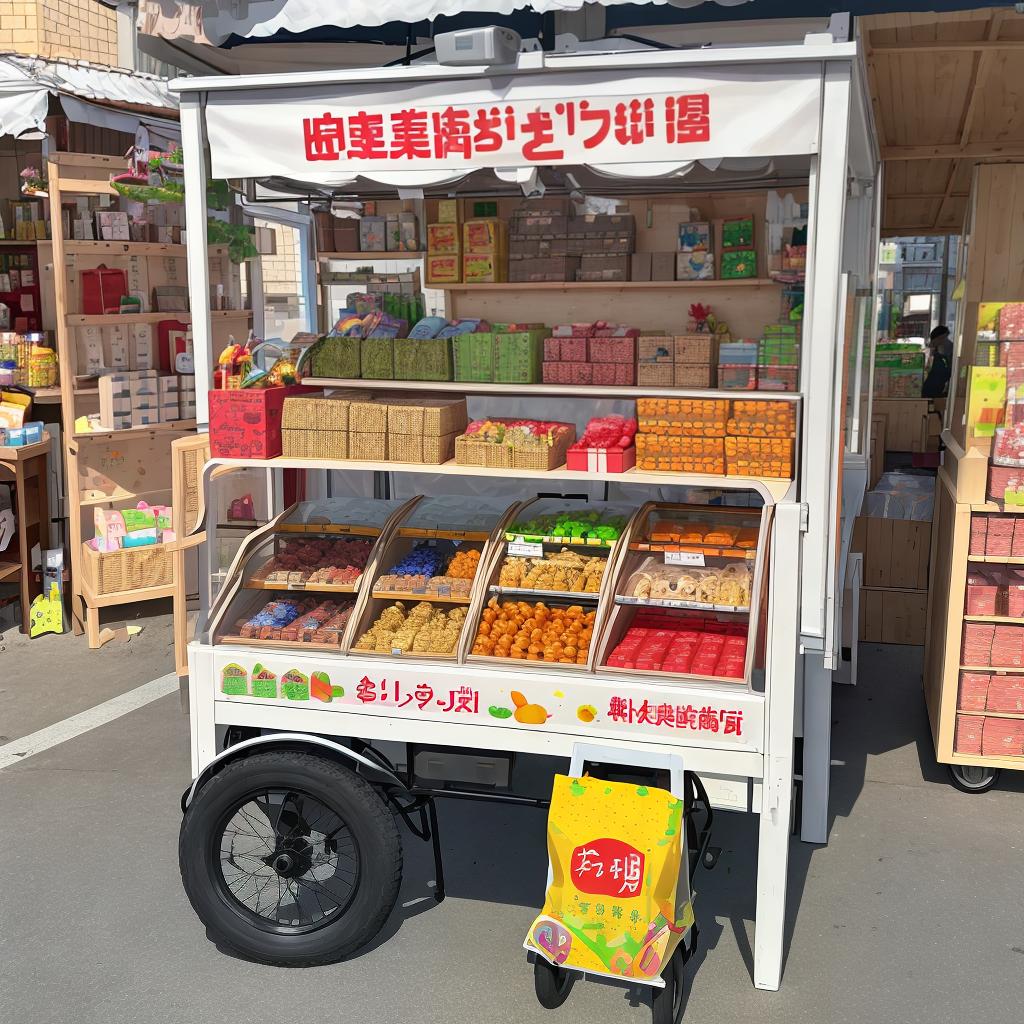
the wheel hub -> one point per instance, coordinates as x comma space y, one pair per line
292, 858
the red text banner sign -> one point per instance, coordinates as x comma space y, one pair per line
443, 128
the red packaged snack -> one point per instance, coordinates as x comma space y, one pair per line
1005, 694
974, 687
967, 739
1002, 737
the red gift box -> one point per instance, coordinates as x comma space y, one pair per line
1007, 647
974, 687
1000, 478
1011, 322
619, 374
982, 593
612, 350
999, 538
1006, 694
968, 734
566, 350
601, 460
1002, 737
977, 644
979, 530
247, 424
102, 289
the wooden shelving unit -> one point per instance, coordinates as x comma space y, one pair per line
111, 468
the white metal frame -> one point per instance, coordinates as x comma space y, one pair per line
802, 535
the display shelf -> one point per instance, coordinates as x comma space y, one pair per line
555, 390
107, 247
125, 596
370, 257
997, 559
612, 286
110, 319
280, 645
694, 606
544, 595
1000, 619
303, 588
1012, 763
12, 243
397, 595
990, 714
771, 490
695, 549
991, 506
175, 426
999, 670
9, 570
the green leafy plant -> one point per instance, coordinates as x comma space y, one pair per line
237, 237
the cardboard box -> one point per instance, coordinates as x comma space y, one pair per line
247, 424
485, 236
345, 234
90, 349
444, 269
169, 412
372, 234
115, 346
444, 238
663, 266
141, 347
695, 266
640, 266
484, 268
448, 211
604, 268
655, 349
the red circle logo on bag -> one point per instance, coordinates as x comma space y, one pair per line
607, 867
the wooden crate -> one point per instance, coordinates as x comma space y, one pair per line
896, 552
891, 616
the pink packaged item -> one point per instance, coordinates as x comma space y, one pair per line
1011, 322
1002, 479
1017, 547
999, 539
974, 687
572, 330
565, 350
1006, 694
613, 350
1002, 737
979, 530
623, 374
1007, 647
968, 734
982, 593
977, 644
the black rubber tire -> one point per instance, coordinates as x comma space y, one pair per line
552, 984
973, 778
352, 798
667, 1004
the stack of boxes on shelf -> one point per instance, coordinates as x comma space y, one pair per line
899, 370
395, 231
142, 526
484, 251
600, 354
682, 361
604, 244
355, 425
737, 365
716, 436
25, 222
139, 398
778, 357
695, 260
739, 260
444, 245
538, 243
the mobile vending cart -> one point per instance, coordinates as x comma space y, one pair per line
794, 115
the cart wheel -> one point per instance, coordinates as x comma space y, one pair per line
973, 778
290, 859
552, 984
667, 1002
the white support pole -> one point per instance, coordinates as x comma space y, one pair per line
201, 708
824, 328
777, 789
193, 144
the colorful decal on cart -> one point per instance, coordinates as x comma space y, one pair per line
295, 685
264, 682
527, 713
617, 904
432, 692
234, 681
320, 687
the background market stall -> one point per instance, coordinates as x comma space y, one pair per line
811, 128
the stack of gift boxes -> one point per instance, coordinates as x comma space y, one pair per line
716, 436
682, 360
140, 398
538, 243
599, 353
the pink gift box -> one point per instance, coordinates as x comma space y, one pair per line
1007, 647
1002, 737
622, 374
1011, 322
982, 594
1006, 694
974, 687
979, 530
977, 643
613, 350
968, 734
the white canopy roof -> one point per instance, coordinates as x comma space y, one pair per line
110, 97
213, 21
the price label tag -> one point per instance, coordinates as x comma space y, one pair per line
684, 557
524, 549
396, 652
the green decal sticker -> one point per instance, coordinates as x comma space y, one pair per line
337, 691
642, 791
496, 712
577, 788
295, 685
234, 681
264, 682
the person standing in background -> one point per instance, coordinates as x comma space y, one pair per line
940, 365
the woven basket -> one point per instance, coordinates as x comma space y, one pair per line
316, 412
114, 572
543, 458
433, 417
431, 451
471, 452
307, 443
368, 446
368, 417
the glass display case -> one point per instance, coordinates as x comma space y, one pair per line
294, 582
686, 595
424, 581
543, 602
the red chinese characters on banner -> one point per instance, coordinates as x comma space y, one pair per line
392, 693
607, 867
726, 721
536, 135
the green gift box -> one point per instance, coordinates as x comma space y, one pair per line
378, 358
517, 356
474, 357
739, 263
423, 359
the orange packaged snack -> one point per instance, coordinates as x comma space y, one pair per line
525, 632
760, 418
747, 538
759, 456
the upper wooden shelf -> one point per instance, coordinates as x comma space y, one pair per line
370, 256
106, 319
103, 247
608, 286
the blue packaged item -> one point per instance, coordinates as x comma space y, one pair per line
33, 432
464, 326
428, 327
16, 437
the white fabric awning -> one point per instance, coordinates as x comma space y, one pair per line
214, 21
90, 93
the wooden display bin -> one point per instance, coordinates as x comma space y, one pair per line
127, 570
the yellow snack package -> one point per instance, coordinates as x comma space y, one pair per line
619, 899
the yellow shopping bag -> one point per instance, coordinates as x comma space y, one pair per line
619, 899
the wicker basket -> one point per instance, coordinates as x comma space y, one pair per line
433, 417
368, 446
368, 417
307, 443
431, 451
114, 572
315, 412
471, 452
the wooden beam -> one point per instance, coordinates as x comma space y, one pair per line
945, 46
955, 151
979, 77
927, 195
